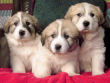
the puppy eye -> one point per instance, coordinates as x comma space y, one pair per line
27, 23
92, 14
15, 23
79, 14
53, 35
66, 36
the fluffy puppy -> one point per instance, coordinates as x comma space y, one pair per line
20, 31
60, 40
88, 19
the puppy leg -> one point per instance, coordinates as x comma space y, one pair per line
71, 69
17, 65
98, 64
85, 66
40, 69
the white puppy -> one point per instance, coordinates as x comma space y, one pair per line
20, 31
88, 19
60, 50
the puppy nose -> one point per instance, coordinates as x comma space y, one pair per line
86, 23
22, 32
57, 47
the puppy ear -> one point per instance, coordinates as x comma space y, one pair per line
69, 13
43, 37
100, 16
38, 28
7, 25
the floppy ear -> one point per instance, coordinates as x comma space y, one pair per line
100, 16
38, 28
69, 13
7, 25
43, 37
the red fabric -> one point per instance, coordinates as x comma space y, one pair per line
6, 76
108, 4
6, 6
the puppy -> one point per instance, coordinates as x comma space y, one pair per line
60, 48
20, 31
88, 19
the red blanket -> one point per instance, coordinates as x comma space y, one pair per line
6, 76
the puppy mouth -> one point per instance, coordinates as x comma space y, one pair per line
85, 30
59, 53
73, 47
23, 39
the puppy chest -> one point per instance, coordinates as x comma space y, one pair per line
58, 62
26, 54
23, 51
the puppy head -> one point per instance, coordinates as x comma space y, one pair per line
60, 35
22, 26
87, 17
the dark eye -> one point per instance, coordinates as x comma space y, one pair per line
15, 23
92, 14
79, 14
53, 35
66, 36
27, 23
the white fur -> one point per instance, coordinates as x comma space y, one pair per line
92, 50
49, 62
59, 40
92, 53
86, 17
20, 27
22, 53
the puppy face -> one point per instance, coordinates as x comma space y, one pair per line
59, 36
87, 17
22, 26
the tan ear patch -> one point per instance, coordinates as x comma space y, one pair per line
33, 21
72, 10
38, 28
69, 13
100, 15
7, 25
48, 31
43, 36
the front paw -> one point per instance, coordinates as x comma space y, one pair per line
18, 71
42, 75
97, 73
72, 74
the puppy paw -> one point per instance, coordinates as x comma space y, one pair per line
72, 74
18, 71
97, 73
38, 75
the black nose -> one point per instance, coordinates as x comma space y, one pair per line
86, 23
21, 32
57, 47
